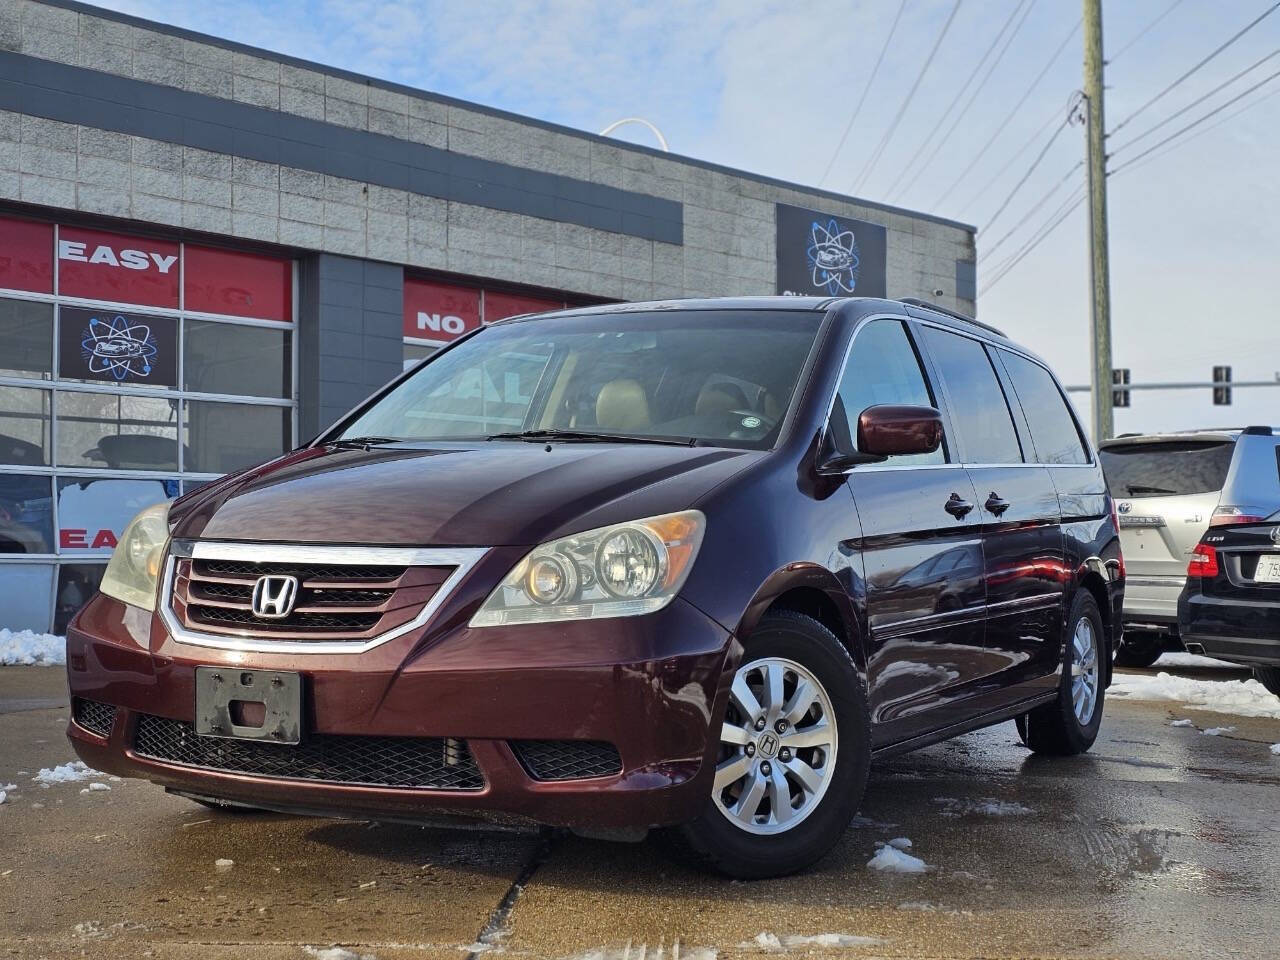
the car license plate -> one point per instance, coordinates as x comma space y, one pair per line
249, 704
1268, 569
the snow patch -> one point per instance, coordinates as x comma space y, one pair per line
632, 951
1244, 698
4, 795
1218, 731
1195, 660
921, 906
1182, 723
989, 807
1275, 748
892, 860
336, 953
902, 843
222, 865
95, 787
72, 772
774, 943
27, 648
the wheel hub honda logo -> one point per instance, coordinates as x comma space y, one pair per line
274, 596
767, 745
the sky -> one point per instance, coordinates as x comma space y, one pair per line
769, 86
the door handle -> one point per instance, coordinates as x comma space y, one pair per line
957, 506
995, 504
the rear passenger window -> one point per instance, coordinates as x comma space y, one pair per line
1053, 429
882, 368
978, 406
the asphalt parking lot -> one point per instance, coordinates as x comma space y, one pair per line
1163, 842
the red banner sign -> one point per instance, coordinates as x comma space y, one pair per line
26, 255
498, 306
239, 284
113, 266
439, 311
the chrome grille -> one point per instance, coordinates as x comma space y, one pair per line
424, 763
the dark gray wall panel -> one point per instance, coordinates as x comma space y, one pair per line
57, 91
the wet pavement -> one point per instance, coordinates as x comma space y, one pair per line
1163, 842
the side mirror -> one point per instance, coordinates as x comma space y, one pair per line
888, 430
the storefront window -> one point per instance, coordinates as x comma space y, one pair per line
222, 437
76, 584
24, 426
414, 353
93, 511
117, 346
26, 514
117, 431
26, 595
26, 339
236, 359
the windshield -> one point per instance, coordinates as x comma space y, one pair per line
1166, 469
722, 377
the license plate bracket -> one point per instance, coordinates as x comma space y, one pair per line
227, 694
1268, 570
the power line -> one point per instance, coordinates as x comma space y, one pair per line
938, 145
1012, 113
916, 154
1055, 222
1266, 13
1195, 123
1011, 161
1026, 176
893, 127
865, 90
988, 251
1143, 32
1194, 103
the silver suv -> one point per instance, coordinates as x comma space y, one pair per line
1169, 488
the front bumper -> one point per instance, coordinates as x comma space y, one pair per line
648, 685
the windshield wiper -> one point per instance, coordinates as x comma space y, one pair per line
360, 443
535, 436
1137, 488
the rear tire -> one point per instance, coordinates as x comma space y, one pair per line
1069, 725
1139, 649
1269, 677
817, 766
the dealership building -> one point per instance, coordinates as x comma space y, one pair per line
209, 252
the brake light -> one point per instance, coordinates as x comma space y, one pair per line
1230, 516
1204, 562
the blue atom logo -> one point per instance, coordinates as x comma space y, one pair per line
833, 257
118, 348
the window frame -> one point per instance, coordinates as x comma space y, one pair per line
1021, 421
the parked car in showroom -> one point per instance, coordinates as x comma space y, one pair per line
1230, 607
688, 565
1170, 488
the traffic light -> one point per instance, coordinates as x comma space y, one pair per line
1120, 378
1222, 386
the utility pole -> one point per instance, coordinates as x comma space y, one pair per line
1099, 264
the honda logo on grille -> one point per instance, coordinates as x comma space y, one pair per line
274, 596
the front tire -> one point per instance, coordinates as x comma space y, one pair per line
1070, 724
1269, 677
794, 754
1139, 649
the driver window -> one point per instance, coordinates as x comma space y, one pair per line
883, 368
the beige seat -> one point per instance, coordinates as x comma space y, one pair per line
622, 405
720, 398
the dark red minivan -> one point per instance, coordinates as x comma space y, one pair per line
685, 564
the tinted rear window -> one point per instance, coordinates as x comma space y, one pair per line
1166, 469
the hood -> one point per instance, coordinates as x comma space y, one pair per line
488, 494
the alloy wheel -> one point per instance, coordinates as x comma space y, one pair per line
1084, 670
777, 747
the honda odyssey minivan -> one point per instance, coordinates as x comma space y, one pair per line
689, 565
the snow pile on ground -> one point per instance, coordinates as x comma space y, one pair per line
1245, 698
72, 772
28, 648
1275, 748
1182, 723
986, 808
1218, 731
4, 795
1181, 659
336, 953
893, 859
641, 951
774, 943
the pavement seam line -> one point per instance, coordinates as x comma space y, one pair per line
496, 926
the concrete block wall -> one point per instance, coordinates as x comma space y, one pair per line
729, 232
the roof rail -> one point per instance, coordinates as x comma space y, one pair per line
947, 311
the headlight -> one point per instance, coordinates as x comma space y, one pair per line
134, 567
619, 571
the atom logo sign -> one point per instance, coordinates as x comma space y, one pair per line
115, 347
824, 255
833, 258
